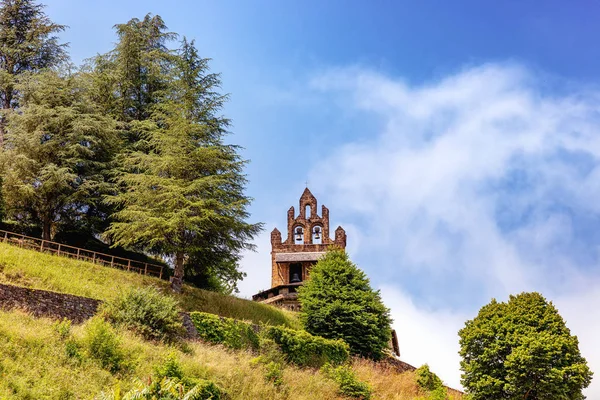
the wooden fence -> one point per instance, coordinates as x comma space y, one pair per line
77, 253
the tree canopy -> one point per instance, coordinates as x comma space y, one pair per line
337, 302
523, 350
130, 148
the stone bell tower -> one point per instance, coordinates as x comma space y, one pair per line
291, 260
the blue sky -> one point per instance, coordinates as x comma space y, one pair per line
457, 142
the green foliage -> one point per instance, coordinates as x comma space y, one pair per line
170, 368
274, 373
304, 349
183, 186
298, 347
521, 349
56, 149
147, 312
431, 383
103, 344
229, 332
426, 379
28, 42
339, 303
349, 384
169, 389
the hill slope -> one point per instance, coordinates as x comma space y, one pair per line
36, 270
41, 359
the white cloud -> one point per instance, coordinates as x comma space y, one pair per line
479, 185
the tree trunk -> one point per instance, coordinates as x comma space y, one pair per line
46, 230
177, 279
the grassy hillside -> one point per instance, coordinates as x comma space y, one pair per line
43, 271
37, 364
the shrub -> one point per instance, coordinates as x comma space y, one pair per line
169, 389
170, 368
103, 344
426, 379
147, 312
339, 303
229, 332
349, 385
274, 373
431, 383
304, 349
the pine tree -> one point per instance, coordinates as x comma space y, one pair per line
521, 349
56, 150
184, 187
28, 42
338, 303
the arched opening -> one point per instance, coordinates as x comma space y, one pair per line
298, 235
317, 234
307, 212
295, 273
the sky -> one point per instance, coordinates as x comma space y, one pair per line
458, 143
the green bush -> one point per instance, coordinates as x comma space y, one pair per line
229, 332
274, 373
431, 383
304, 349
339, 303
426, 379
170, 368
147, 312
349, 385
168, 389
102, 343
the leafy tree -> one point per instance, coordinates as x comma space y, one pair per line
183, 186
57, 147
521, 349
28, 42
339, 303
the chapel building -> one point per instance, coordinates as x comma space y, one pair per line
291, 260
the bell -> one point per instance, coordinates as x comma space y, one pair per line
317, 233
299, 234
295, 278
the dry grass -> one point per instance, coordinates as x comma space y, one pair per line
34, 365
388, 383
49, 272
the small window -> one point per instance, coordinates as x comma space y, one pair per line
307, 212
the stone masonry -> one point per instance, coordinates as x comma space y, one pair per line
308, 238
43, 303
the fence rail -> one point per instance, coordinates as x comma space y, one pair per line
64, 250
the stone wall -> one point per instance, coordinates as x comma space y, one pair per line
43, 303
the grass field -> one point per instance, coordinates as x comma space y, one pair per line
43, 271
36, 365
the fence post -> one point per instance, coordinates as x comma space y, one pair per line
5, 236
160, 276
42, 245
146, 269
128, 265
58, 250
78, 253
94, 257
112, 261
